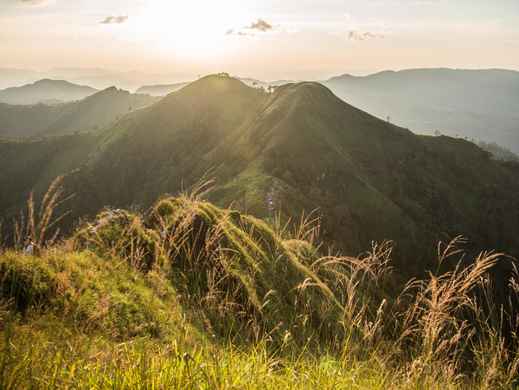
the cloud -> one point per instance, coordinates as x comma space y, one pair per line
113, 19
33, 2
259, 26
240, 33
363, 36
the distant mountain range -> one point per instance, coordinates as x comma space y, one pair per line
98, 78
478, 104
95, 112
299, 148
45, 91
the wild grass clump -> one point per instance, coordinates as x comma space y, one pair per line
273, 307
120, 233
87, 292
238, 264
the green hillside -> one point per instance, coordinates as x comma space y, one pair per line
298, 150
95, 112
302, 149
32, 165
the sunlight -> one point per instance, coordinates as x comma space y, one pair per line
193, 29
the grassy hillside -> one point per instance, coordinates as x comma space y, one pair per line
297, 150
93, 113
477, 104
31, 165
189, 295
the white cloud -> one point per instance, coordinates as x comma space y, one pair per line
114, 19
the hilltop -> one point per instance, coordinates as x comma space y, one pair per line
161, 90
166, 89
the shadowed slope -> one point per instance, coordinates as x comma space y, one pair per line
94, 113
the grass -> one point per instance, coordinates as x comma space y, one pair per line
189, 295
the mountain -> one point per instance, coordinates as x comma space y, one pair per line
166, 89
45, 90
161, 90
98, 111
299, 149
32, 165
92, 113
478, 104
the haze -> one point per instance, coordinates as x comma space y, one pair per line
165, 40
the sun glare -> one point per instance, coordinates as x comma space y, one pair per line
193, 28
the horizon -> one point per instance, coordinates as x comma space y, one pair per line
159, 41
81, 77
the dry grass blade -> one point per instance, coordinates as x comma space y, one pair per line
33, 228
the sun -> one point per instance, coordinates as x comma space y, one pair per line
191, 28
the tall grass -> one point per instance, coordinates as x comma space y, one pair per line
276, 308
38, 226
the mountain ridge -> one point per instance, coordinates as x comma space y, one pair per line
92, 113
44, 90
474, 104
299, 148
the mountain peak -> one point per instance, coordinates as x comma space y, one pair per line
312, 93
112, 90
310, 86
222, 82
50, 82
216, 88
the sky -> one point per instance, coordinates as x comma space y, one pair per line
266, 39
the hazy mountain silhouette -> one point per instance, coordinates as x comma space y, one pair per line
45, 90
92, 113
478, 104
160, 90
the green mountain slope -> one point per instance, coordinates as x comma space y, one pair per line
92, 113
303, 149
32, 165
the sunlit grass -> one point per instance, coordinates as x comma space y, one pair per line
189, 295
